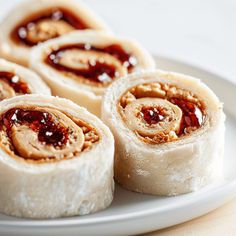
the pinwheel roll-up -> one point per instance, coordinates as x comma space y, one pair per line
169, 132
16, 80
56, 158
80, 65
35, 21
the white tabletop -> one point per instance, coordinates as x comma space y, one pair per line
200, 32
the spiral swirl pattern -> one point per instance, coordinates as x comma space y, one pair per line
44, 134
92, 65
160, 113
45, 25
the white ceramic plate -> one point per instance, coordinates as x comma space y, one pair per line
133, 213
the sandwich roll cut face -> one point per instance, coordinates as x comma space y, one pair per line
35, 21
81, 65
169, 132
56, 159
17, 80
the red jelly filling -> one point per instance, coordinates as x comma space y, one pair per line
97, 72
192, 114
15, 82
39, 121
20, 33
152, 115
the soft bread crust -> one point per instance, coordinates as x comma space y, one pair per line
77, 186
20, 54
84, 95
172, 168
34, 82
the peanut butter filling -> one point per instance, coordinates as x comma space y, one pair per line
45, 25
44, 134
11, 85
159, 113
93, 65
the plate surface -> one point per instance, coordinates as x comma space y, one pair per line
132, 213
